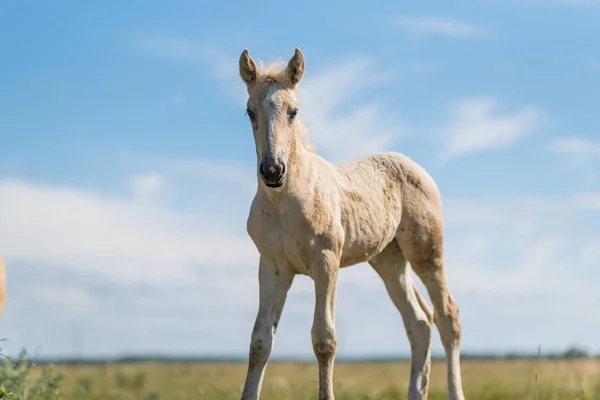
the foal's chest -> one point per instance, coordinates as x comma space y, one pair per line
278, 244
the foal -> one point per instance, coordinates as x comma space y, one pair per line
311, 217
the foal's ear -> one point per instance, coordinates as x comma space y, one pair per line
295, 67
248, 68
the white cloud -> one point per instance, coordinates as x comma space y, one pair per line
588, 201
475, 125
550, 266
181, 49
579, 156
147, 185
243, 176
440, 26
577, 2
544, 3
124, 238
72, 300
575, 147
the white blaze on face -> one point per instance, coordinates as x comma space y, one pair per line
272, 103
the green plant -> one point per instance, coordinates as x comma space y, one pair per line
18, 383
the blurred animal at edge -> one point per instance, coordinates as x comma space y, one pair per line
2, 285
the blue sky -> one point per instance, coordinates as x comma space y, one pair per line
126, 167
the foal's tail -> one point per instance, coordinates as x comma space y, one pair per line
423, 303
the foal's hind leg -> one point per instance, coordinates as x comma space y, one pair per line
421, 240
390, 264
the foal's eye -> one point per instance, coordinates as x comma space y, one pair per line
293, 114
250, 114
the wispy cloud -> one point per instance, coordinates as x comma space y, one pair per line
73, 300
574, 146
221, 64
588, 201
475, 125
545, 3
440, 26
175, 48
219, 172
577, 2
579, 156
146, 185
342, 125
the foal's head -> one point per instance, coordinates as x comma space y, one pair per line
272, 108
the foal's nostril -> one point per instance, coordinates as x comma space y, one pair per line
261, 169
281, 172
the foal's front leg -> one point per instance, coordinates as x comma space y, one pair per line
274, 284
324, 337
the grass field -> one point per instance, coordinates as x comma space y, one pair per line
568, 380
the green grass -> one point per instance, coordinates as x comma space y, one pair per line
489, 380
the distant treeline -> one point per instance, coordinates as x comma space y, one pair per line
571, 353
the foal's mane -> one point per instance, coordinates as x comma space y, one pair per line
275, 71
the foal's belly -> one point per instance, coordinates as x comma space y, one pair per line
364, 239
363, 249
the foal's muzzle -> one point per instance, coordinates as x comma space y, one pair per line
272, 172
